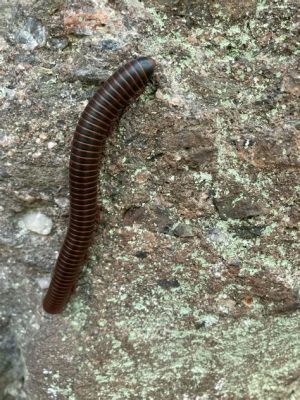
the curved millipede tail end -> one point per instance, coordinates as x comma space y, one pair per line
53, 306
96, 123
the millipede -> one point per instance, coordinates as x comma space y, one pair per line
97, 122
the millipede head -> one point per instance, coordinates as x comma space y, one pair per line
148, 65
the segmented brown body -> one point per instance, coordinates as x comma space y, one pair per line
96, 123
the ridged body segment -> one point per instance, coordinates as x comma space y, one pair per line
96, 123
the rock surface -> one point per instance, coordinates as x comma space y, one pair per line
192, 287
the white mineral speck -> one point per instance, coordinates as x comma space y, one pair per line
43, 282
37, 154
51, 145
37, 222
62, 202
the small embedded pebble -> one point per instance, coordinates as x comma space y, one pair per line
217, 236
168, 283
108, 45
3, 174
32, 34
27, 197
58, 43
89, 74
230, 207
183, 230
6, 92
141, 254
37, 222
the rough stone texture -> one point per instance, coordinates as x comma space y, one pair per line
192, 288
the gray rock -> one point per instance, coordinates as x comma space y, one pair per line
217, 148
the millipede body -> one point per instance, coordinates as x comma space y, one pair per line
97, 122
